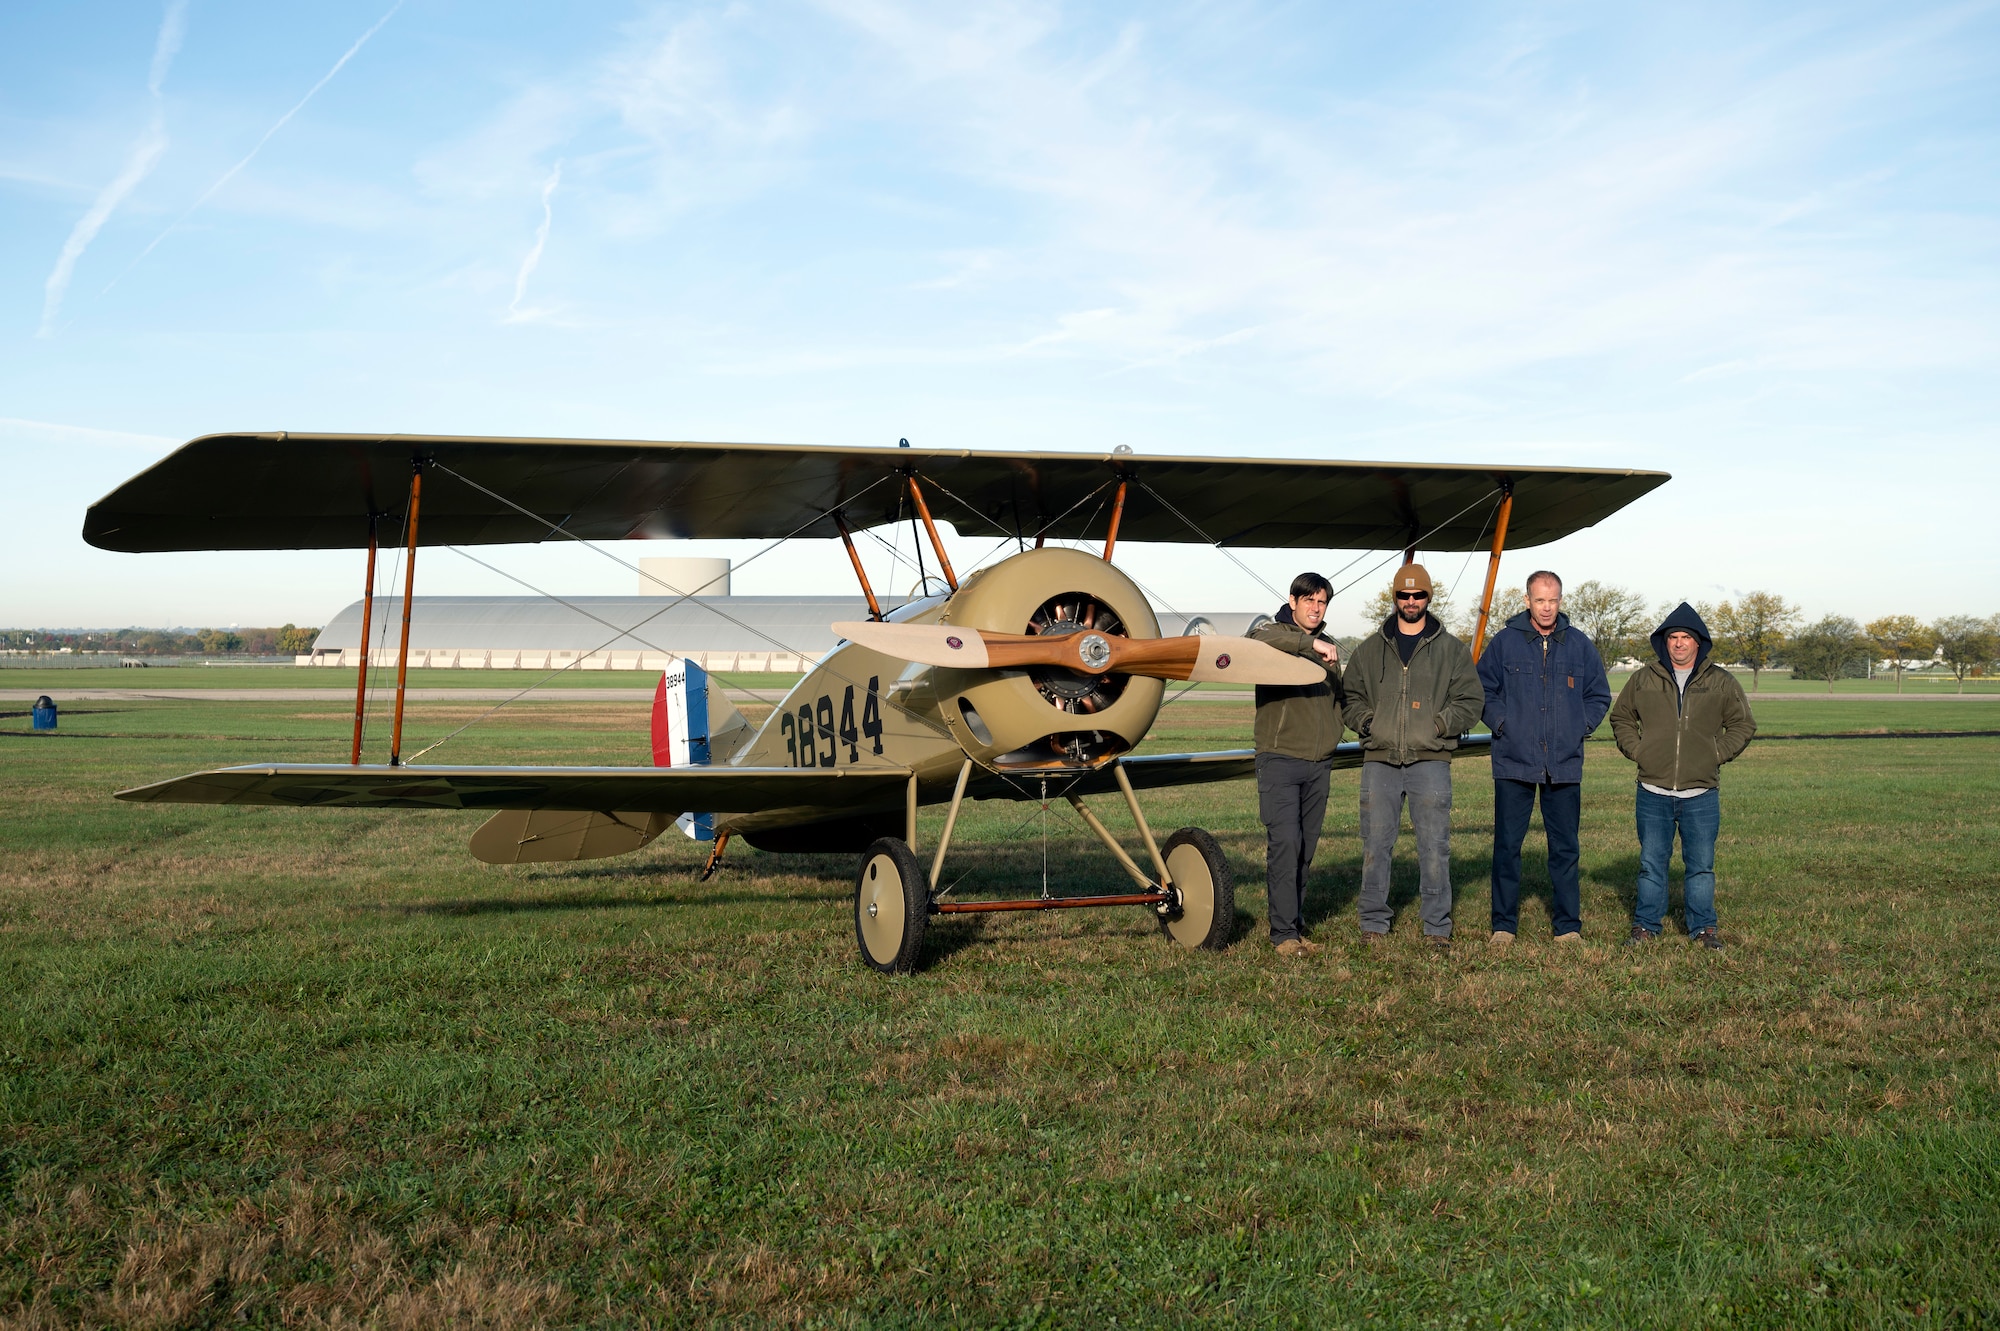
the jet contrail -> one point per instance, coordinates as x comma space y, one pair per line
534, 255
152, 142
230, 174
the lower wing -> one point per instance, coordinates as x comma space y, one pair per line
1159, 770
671, 790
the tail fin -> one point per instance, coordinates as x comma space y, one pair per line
694, 724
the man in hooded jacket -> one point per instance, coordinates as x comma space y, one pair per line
1545, 693
1680, 718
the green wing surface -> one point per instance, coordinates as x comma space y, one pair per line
582, 789
285, 491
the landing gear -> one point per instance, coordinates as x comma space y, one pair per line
1205, 888
892, 905
1190, 890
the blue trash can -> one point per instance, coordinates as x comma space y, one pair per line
45, 713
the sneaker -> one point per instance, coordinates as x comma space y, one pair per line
1709, 939
1439, 943
1573, 936
1501, 938
1640, 934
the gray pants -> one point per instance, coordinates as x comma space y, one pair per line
1291, 800
1384, 786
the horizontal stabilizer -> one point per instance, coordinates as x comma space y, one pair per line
541, 836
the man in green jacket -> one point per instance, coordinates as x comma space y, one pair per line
1298, 728
1680, 719
1411, 692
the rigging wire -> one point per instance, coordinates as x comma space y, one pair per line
1477, 541
679, 600
1039, 532
1152, 597
1416, 540
1196, 529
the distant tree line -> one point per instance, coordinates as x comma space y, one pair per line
1762, 631
284, 640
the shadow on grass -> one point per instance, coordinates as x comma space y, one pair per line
947, 937
598, 901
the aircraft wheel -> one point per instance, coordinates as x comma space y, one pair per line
1207, 888
892, 899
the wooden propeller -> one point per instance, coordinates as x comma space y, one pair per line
1204, 659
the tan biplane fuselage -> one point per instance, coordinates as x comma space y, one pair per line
859, 708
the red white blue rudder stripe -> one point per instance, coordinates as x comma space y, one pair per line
680, 732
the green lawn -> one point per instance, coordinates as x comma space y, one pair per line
273, 1067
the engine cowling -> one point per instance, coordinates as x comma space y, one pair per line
1049, 718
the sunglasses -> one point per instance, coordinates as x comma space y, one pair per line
1413, 596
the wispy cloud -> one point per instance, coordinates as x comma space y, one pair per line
83, 434
248, 157
145, 154
515, 314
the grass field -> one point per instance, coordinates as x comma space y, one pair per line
275, 1067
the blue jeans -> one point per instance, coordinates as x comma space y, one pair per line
1698, 820
1384, 788
1562, 811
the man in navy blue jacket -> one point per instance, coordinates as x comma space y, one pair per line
1545, 693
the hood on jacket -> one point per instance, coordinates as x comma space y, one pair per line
1683, 617
1526, 623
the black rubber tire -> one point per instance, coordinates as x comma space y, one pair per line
892, 906
1208, 891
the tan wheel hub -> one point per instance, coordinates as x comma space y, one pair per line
882, 909
1189, 872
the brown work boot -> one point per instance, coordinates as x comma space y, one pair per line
1574, 936
1296, 947
1438, 943
1501, 938
1375, 938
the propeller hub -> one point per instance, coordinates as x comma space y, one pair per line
1094, 651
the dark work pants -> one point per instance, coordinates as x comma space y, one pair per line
1291, 799
1562, 810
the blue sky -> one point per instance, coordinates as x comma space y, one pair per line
1755, 246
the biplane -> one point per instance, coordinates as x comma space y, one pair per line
1035, 677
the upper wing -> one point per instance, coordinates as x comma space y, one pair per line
284, 491
1158, 770
584, 789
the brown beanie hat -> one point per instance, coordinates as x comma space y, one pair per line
1411, 578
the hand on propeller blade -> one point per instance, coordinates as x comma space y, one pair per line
1207, 659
